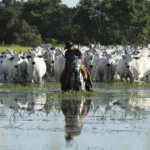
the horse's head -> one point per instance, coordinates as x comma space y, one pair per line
76, 65
77, 76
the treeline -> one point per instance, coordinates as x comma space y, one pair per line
32, 22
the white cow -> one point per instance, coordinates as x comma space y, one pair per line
11, 69
106, 68
6, 62
1, 61
140, 67
20, 70
49, 56
122, 68
6, 66
59, 65
36, 67
91, 59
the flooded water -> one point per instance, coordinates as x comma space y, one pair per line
116, 120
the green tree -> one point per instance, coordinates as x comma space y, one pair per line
26, 34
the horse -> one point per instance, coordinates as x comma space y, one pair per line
77, 81
74, 78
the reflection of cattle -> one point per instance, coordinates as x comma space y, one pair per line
74, 112
27, 103
140, 103
126, 107
31, 103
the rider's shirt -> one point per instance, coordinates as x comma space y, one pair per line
69, 54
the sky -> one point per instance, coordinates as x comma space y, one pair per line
70, 3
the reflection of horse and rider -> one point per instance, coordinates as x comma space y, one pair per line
74, 112
70, 55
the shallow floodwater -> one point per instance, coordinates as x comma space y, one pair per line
116, 120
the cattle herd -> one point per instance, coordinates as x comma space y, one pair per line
104, 63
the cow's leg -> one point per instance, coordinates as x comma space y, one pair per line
121, 78
100, 77
140, 76
31, 79
105, 75
4, 77
148, 77
40, 79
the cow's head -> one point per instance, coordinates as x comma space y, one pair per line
127, 59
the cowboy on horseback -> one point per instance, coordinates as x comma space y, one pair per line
70, 54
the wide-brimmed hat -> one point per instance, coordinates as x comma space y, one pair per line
68, 44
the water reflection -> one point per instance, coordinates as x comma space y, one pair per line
41, 119
74, 111
129, 107
28, 103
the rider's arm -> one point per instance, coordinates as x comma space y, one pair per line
68, 56
80, 55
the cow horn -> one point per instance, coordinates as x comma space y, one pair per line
94, 50
125, 51
105, 51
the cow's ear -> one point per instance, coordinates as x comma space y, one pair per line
22, 57
40, 56
113, 53
52, 48
133, 52
123, 56
28, 56
11, 58
137, 52
136, 57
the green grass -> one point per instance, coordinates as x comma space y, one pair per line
16, 48
118, 85
49, 87
53, 88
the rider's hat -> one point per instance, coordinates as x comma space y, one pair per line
68, 44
